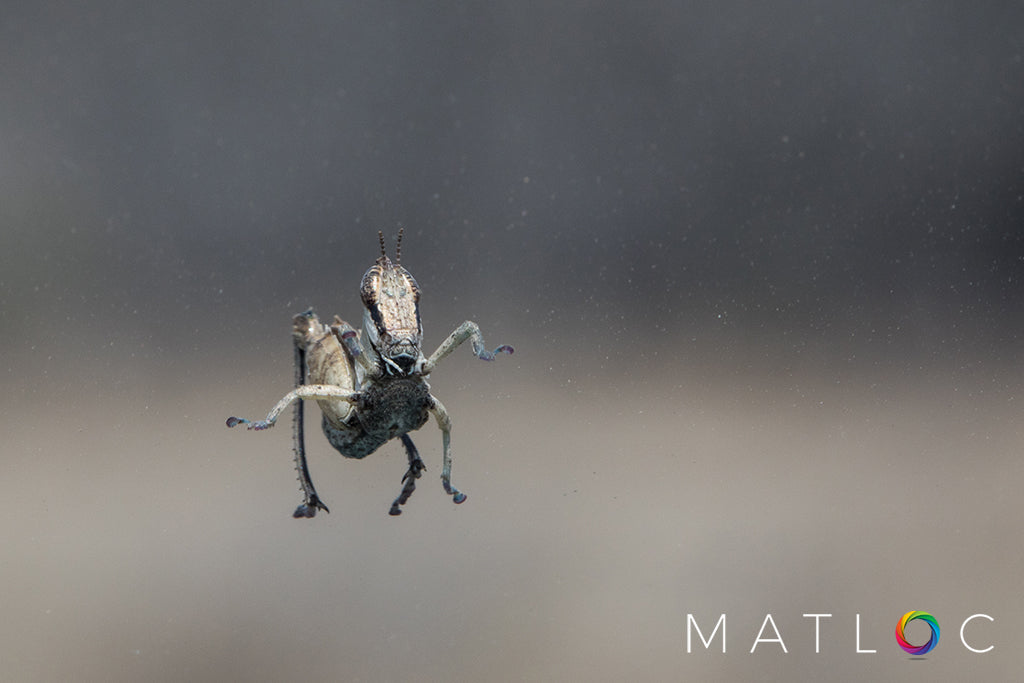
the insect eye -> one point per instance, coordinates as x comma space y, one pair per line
370, 288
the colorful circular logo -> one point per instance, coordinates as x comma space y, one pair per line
915, 649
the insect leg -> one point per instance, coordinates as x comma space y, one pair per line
348, 337
414, 472
306, 391
445, 424
467, 330
311, 500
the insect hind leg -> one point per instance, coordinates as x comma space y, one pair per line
415, 471
311, 502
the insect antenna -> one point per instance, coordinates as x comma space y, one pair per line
380, 235
398, 246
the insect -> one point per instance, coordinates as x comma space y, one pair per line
371, 385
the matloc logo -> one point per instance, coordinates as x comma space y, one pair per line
932, 642
769, 633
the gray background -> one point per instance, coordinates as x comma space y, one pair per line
761, 264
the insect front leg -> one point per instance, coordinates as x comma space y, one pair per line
348, 337
445, 424
467, 330
414, 472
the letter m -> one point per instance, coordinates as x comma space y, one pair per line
691, 624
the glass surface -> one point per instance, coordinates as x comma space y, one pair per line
761, 265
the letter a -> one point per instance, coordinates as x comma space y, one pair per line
777, 639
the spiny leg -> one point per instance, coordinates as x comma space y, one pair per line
445, 424
416, 468
467, 330
311, 500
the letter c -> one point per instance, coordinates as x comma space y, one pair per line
964, 640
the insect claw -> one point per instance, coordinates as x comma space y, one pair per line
416, 470
459, 498
308, 509
234, 421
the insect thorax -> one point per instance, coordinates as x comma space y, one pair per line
394, 406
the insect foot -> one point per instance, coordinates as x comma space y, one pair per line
414, 472
308, 509
258, 425
484, 354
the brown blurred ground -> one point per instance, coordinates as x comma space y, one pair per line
145, 541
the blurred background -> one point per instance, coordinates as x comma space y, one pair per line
761, 264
